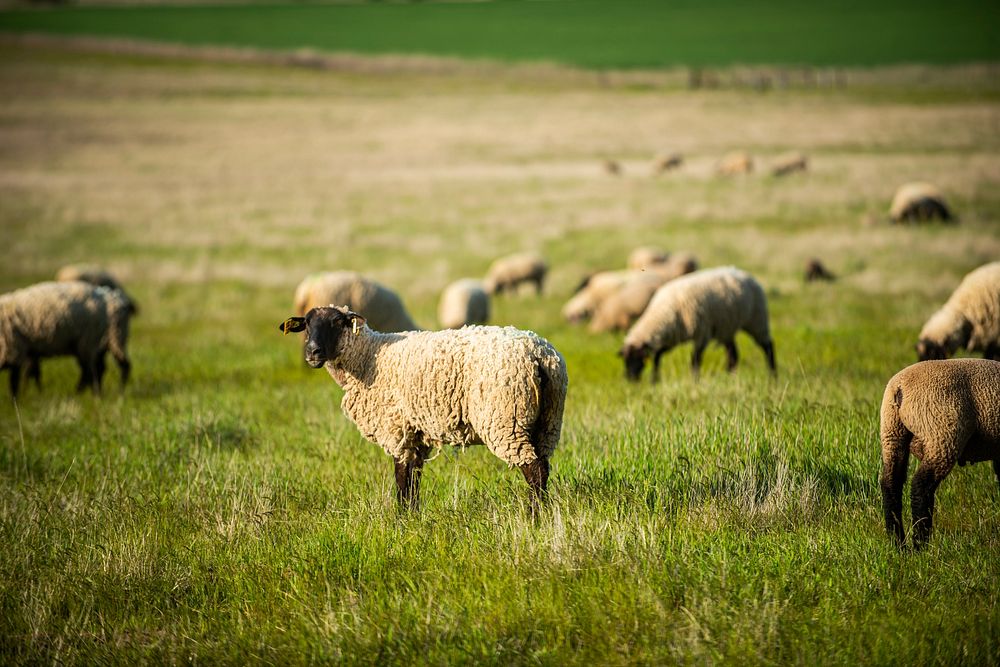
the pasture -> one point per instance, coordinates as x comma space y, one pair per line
223, 510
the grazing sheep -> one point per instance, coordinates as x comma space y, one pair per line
701, 306
409, 392
593, 291
463, 302
64, 318
970, 318
381, 307
667, 162
507, 273
916, 202
816, 271
677, 265
738, 162
95, 275
646, 256
612, 167
623, 307
789, 163
943, 412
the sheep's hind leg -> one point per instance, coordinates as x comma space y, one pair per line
732, 355
536, 474
929, 475
699, 351
408, 470
895, 458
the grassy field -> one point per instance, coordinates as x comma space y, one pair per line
587, 33
222, 510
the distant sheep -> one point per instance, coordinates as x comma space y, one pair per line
916, 202
507, 273
713, 304
677, 265
789, 163
646, 256
463, 302
732, 164
593, 291
95, 275
943, 412
612, 167
623, 307
970, 318
410, 392
70, 318
815, 270
379, 305
667, 162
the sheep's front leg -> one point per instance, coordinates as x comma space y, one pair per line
655, 370
408, 469
996, 469
15, 379
696, 355
925, 482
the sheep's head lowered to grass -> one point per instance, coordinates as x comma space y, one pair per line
324, 327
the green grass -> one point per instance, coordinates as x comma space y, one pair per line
222, 509
586, 33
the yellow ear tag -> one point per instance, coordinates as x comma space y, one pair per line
287, 326
354, 326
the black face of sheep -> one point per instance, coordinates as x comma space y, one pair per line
927, 350
324, 328
635, 361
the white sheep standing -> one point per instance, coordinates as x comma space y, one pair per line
412, 391
735, 163
64, 318
789, 163
463, 302
943, 412
970, 318
507, 273
713, 304
378, 304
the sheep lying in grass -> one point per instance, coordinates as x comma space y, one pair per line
943, 412
701, 306
970, 318
623, 307
735, 163
667, 162
463, 302
507, 273
593, 291
379, 305
64, 318
409, 392
789, 163
916, 202
645, 257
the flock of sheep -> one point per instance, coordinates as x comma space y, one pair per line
410, 390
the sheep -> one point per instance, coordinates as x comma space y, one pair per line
463, 302
507, 273
95, 275
815, 270
667, 162
409, 392
677, 265
623, 307
916, 202
738, 162
64, 318
382, 307
970, 318
701, 306
789, 163
646, 256
593, 291
612, 167
943, 412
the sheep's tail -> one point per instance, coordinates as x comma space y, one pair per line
553, 381
895, 439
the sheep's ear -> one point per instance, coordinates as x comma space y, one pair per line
293, 324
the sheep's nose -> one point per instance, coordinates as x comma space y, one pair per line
312, 349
